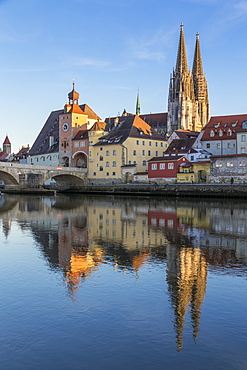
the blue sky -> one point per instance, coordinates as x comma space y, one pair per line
111, 48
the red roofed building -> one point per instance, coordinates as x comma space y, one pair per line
220, 135
7, 145
166, 167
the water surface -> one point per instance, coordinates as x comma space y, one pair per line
116, 283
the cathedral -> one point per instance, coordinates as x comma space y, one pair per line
188, 104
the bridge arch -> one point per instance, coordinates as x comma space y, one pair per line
66, 181
8, 178
79, 159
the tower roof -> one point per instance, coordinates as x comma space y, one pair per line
182, 64
6, 141
138, 104
73, 95
197, 63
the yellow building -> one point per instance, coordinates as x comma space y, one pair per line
125, 150
194, 172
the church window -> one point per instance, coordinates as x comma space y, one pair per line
134, 152
211, 133
114, 164
107, 152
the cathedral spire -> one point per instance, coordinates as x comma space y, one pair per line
138, 104
197, 63
182, 64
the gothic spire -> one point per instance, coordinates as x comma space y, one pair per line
138, 104
197, 63
182, 64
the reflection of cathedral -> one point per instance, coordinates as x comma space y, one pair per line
186, 278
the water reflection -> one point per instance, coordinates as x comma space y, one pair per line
78, 234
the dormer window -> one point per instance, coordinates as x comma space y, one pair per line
211, 133
229, 132
220, 133
216, 125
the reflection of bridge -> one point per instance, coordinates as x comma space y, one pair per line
17, 175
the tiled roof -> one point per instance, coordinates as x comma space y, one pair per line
129, 126
6, 141
50, 128
166, 158
81, 135
181, 145
153, 119
224, 127
228, 155
98, 126
185, 134
91, 114
3, 156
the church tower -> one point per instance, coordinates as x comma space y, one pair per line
138, 104
200, 88
188, 106
7, 146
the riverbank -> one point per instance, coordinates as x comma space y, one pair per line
168, 190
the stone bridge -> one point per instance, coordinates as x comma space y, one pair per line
16, 175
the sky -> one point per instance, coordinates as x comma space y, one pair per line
112, 48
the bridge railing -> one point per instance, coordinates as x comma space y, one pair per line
40, 167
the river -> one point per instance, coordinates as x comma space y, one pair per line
97, 282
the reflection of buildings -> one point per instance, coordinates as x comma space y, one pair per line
78, 234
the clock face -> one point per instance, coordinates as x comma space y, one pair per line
65, 126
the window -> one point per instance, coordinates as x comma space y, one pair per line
162, 166
134, 162
156, 144
144, 163
243, 150
90, 143
192, 158
143, 152
243, 138
143, 143
229, 164
107, 173
218, 164
101, 158
150, 143
114, 164
149, 152
137, 142
228, 145
154, 166
134, 152
101, 168
170, 166
208, 145
107, 152
76, 144
113, 173
218, 146
156, 153
107, 164
163, 153
211, 133
94, 173
229, 132
101, 148
220, 133
82, 144
114, 152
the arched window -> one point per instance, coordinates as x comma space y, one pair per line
101, 158
211, 133
220, 133
144, 163
101, 168
114, 164
229, 132
107, 152
107, 164
134, 152
114, 152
